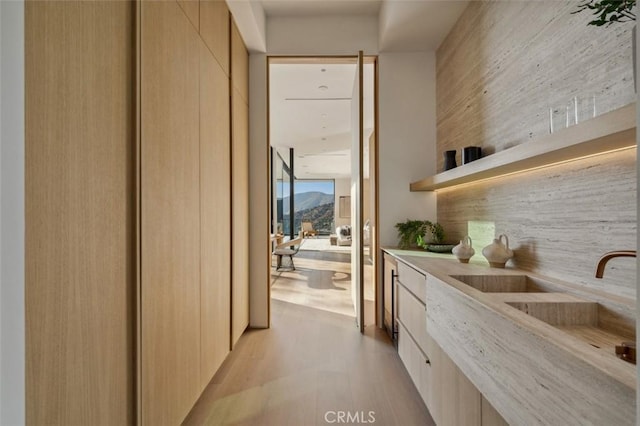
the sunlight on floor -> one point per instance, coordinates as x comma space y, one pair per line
322, 280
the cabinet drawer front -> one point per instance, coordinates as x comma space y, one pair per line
416, 363
411, 356
412, 313
413, 280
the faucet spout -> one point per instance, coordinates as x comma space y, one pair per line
610, 255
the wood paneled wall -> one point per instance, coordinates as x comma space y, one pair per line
215, 187
96, 281
240, 185
215, 216
170, 223
186, 203
80, 215
498, 72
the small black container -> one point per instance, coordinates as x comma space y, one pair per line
471, 153
450, 160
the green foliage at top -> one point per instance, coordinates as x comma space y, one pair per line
609, 11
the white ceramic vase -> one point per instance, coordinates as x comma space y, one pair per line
464, 251
498, 252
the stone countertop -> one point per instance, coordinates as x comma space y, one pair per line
459, 313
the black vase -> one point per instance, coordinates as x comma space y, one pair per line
450, 160
471, 153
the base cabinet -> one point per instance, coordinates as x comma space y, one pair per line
452, 399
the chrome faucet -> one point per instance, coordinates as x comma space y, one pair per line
608, 256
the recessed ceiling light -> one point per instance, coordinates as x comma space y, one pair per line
324, 139
323, 70
324, 127
323, 88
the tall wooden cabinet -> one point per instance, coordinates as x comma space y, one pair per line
240, 184
80, 213
130, 242
170, 213
215, 213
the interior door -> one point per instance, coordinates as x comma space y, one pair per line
357, 167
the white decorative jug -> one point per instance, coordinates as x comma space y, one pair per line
497, 253
464, 251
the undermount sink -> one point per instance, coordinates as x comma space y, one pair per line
561, 313
585, 320
589, 321
505, 283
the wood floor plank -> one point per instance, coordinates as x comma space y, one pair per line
309, 366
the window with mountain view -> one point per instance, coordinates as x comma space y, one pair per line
313, 202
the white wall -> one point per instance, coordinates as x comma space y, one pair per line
342, 188
324, 35
12, 328
407, 105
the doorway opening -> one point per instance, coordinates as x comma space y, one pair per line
322, 134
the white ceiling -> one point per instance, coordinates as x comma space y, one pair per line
319, 8
416, 25
313, 121
302, 116
404, 25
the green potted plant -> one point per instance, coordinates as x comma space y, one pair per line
418, 233
408, 232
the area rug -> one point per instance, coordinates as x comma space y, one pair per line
323, 244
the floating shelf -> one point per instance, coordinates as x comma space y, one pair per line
608, 132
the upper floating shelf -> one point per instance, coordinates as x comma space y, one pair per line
607, 132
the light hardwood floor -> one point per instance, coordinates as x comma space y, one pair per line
310, 362
322, 280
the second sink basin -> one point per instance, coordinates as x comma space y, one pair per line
505, 283
561, 313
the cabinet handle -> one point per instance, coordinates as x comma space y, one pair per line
428, 361
394, 330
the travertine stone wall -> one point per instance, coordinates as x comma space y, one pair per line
498, 72
505, 63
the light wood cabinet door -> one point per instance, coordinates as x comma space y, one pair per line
240, 216
453, 400
413, 280
214, 30
170, 214
215, 215
191, 9
239, 63
412, 312
79, 213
